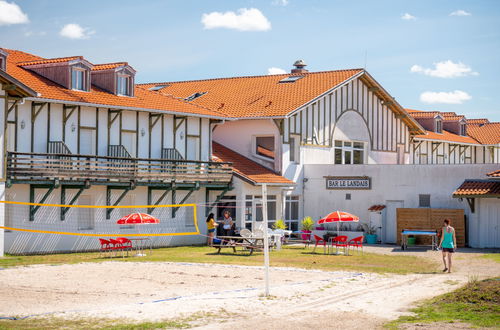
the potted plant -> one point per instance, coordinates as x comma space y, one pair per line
307, 225
279, 224
370, 234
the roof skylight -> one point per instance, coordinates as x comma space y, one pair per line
157, 87
290, 79
195, 96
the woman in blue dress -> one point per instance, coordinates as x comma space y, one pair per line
448, 243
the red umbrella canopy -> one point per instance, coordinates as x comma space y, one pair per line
137, 218
339, 216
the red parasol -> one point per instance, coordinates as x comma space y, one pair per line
339, 216
137, 218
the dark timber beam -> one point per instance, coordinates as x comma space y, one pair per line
64, 210
118, 200
160, 199
217, 200
472, 204
35, 208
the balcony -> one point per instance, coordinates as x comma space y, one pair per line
71, 167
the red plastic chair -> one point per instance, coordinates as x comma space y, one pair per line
116, 246
357, 242
105, 246
126, 244
340, 241
319, 241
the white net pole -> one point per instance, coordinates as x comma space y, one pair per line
266, 238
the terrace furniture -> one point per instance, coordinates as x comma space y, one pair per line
245, 243
105, 246
126, 244
339, 241
116, 246
320, 241
356, 242
414, 232
140, 245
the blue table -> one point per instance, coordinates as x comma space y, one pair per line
407, 232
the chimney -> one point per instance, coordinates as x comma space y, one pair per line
299, 67
3, 59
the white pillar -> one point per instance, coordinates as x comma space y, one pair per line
266, 238
3, 106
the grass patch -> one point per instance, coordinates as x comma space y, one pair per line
492, 256
290, 256
476, 303
196, 319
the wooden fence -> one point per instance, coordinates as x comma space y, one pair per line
430, 219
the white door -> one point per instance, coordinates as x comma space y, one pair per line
489, 221
87, 141
193, 148
129, 142
389, 223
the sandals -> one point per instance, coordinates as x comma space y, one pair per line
445, 269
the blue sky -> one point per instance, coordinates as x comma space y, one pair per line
173, 40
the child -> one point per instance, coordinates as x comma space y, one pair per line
448, 243
211, 224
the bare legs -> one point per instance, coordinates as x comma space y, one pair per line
210, 239
447, 255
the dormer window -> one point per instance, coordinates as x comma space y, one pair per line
463, 129
439, 125
3, 60
123, 84
78, 81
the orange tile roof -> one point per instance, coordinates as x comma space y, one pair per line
376, 208
477, 121
495, 174
488, 133
143, 98
48, 60
246, 168
478, 188
447, 137
448, 115
108, 66
258, 96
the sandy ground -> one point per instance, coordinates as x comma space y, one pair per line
299, 298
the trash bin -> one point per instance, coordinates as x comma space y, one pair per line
411, 241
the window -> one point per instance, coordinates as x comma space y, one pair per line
292, 212
264, 146
290, 79
463, 129
400, 153
2, 63
271, 208
439, 126
348, 152
195, 96
294, 149
123, 85
78, 79
158, 87
86, 219
424, 200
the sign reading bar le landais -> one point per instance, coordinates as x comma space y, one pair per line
348, 182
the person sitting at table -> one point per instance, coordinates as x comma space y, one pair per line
227, 223
211, 224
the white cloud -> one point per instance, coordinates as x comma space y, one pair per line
408, 17
455, 97
274, 70
75, 31
244, 20
281, 3
445, 69
10, 13
460, 12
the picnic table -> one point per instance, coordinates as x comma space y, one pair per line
245, 243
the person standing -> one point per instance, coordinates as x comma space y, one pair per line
227, 223
448, 243
211, 225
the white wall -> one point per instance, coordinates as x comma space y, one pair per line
389, 183
239, 136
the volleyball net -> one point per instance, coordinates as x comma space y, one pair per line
45, 228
